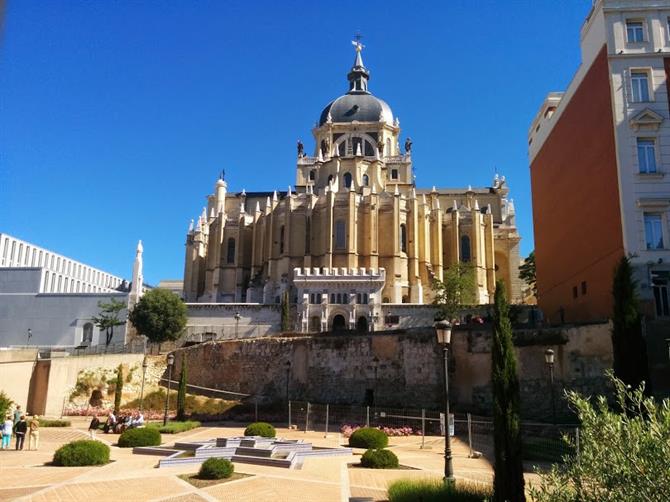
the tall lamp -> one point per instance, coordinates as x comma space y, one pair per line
443, 330
144, 375
549, 360
170, 363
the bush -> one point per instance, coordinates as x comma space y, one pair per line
5, 405
434, 490
379, 459
262, 429
54, 423
367, 438
82, 452
174, 427
216, 468
147, 436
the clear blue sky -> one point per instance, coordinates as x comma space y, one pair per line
116, 117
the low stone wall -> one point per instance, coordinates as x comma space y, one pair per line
341, 368
218, 320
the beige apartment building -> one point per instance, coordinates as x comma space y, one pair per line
355, 233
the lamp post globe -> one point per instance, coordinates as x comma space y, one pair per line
549, 360
443, 332
145, 364
170, 363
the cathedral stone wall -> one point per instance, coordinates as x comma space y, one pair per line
341, 368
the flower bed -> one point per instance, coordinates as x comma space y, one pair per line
347, 430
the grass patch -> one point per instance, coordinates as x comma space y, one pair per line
427, 490
545, 449
204, 483
174, 427
54, 423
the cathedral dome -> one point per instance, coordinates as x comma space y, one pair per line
358, 104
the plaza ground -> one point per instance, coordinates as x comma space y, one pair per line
26, 477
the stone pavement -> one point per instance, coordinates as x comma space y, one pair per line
131, 477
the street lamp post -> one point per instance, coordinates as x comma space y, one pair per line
237, 323
144, 374
30, 335
549, 359
443, 330
170, 363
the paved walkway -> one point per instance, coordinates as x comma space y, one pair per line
131, 477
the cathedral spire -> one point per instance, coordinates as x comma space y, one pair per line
359, 74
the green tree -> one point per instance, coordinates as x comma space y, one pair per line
455, 291
527, 272
118, 389
508, 483
628, 344
623, 453
181, 392
109, 318
5, 405
160, 315
285, 313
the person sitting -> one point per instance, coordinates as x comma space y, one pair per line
137, 421
110, 424
124, 423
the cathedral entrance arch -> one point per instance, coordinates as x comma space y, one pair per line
339, 323
362, 324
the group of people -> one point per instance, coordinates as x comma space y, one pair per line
16, 424
116, 425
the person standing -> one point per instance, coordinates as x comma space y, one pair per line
93, 426
20, 430
34, 433
6, 431
17, 414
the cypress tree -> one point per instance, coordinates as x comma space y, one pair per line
118, 390
181, 392
285, 316
628, 344
508, 483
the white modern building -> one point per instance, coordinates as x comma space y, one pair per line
48, 299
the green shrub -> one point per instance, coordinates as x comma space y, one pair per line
174, 427
54, 423
82, 452
434, 490
216, 468
367, 438
379, 459
262, 429
147, 436
5, 405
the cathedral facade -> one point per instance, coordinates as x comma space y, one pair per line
355, 233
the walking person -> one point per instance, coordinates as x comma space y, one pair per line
34, 433
17, 414
20, 430
93, 426
6, 431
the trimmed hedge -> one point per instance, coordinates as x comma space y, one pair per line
368, 437
216, 468
262, 429
174, 427
146, 436
379, 459
82, 452
54, 423
433, 490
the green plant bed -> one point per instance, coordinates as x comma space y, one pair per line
216, 468
82, 452
367, 438
262, 429
194, 480
147, 436
379, 459
405, 490
174, 427
54, 423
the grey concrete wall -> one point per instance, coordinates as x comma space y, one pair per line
20, 280
55, 319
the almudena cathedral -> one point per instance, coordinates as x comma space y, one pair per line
355, 243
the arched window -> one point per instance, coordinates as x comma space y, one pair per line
347, 180
403, 238
394, 174
312, 175
369, 149
281, 240
308, 235
340, 235
366, 180
332, 298
465, 248
87, 338
230, 254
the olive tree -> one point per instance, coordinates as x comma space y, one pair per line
160, 315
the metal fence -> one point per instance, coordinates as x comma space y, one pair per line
541, 442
